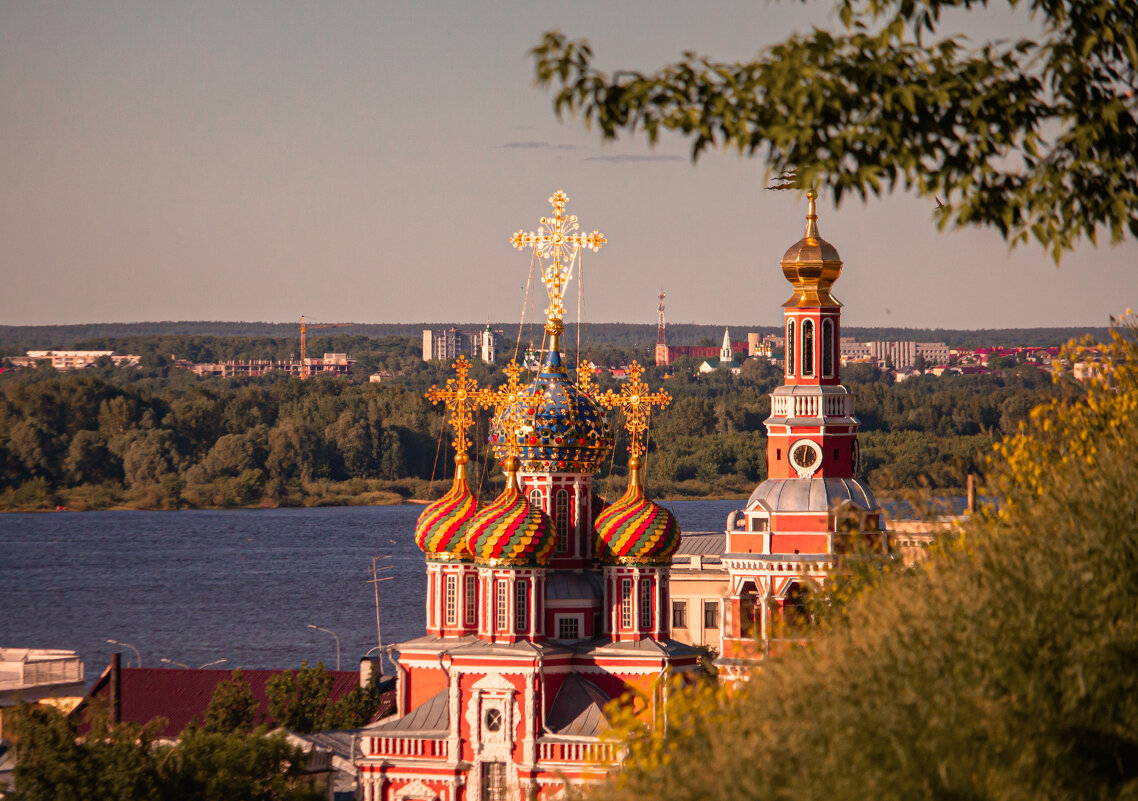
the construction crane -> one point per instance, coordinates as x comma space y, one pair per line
304, 328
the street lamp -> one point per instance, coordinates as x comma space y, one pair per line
329, 631
172, 662
137, 655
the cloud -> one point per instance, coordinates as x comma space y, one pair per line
635, 158
536, 146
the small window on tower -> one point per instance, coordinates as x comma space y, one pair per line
807, 348
500, 614
521, 606
626, 603
778, 454
790, 347
452, 600
470, 605
827, 348
562, 519
645, 605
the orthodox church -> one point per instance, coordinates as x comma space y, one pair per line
542, 606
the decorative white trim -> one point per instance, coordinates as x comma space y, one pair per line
416, 790
805, 472
494, 681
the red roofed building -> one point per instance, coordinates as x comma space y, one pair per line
138, 695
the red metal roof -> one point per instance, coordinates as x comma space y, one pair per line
182, 696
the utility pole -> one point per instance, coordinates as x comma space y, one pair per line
374, 582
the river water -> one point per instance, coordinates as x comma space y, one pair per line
240, 585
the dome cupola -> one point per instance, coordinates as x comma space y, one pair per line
811, 265
510, 531
634, 530
441, 528
561, 429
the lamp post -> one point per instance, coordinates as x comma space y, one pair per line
172, 662
137, 655
329, 631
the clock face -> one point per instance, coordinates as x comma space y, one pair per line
806, 457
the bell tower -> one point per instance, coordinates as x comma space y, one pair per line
784, 543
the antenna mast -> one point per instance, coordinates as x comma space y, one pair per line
662, 355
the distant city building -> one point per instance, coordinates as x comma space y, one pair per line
337, 364
895, 354
726, 358
450, 343
69, 359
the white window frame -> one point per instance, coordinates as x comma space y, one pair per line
626, 603
451, 599
502, 612
579, 619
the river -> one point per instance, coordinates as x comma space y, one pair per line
239, 585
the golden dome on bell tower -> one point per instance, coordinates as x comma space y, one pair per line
812, 265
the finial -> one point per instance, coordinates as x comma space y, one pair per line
501, 401
460, 398
556, 241
637, 404
812, 215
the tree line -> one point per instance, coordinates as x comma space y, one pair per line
160, 437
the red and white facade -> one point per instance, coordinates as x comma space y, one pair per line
504, 697
784, 543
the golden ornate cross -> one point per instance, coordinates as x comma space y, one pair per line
557, 241
461, 398
637, 404
500, 400
585, 377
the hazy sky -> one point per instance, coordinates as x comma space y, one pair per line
368, 161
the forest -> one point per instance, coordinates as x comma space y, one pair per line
159, 437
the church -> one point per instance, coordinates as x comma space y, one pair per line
544, 606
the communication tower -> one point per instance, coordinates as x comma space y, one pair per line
662, 356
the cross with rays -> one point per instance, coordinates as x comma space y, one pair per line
637, 404
500, 400
585, 377
557, 241
461, 398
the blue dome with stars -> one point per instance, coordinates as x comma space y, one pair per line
562, 429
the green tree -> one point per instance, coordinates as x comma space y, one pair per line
232, 707
1034, 137
298, 701
1000, 669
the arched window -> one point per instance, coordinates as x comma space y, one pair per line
521, 606
827, 348
645, 605
535, 498
470, 604
451, 600
807, 348
790, 347
561, 518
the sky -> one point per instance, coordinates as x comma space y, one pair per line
367, 162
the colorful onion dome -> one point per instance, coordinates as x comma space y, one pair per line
562, 429
635, 531
440, 532
510, 531
812, 265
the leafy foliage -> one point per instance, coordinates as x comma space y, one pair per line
1033, 137
125, 763
232, 707
1001, 668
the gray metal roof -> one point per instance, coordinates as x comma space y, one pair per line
562, 585
578, 709
430, 717
811, 494
702, 543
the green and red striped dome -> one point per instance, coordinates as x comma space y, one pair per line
441, 530
511, 532
635, 531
